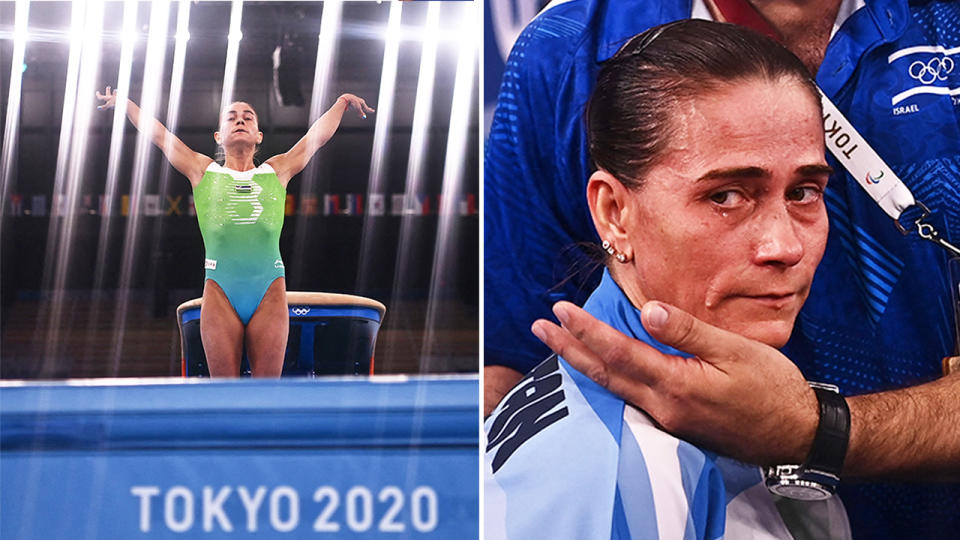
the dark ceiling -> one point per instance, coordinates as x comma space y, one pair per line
357, 65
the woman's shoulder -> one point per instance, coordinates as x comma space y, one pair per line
547, 443
546, 410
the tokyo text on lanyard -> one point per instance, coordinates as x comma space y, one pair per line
875, 176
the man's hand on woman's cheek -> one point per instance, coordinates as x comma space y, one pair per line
736, 396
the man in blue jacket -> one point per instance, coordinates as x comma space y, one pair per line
880, 314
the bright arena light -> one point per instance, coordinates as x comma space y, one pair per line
233, 49
50, 311
327, 46
173, 117
87, 23
388, 79
117, 126
176, 76
445, 255
149, 98
381, 134
128, 34
12, 121
424, 101
76, 35
118, 123
405, 265
20, 34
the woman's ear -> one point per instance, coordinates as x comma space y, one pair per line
608, 199
259, 137
216, 136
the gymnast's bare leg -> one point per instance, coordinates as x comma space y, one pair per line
221, 332
267, 331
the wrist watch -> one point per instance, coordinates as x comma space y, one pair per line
818, 477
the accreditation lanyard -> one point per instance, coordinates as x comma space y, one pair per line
875, 176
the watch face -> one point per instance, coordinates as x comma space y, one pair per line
800, 490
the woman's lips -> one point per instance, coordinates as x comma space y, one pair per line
776, 300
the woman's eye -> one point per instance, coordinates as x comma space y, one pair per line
726, 198
804, 194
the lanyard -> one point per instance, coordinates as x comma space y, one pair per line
875, 176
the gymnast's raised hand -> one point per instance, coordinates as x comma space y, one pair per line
358, 104
109, 99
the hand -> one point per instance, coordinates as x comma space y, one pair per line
109, 98
736, 396
357, 103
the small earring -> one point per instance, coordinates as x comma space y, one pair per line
608, 247
621, 257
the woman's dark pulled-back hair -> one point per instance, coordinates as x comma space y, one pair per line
629, 116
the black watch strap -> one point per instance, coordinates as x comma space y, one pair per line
833, 432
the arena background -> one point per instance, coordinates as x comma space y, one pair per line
91, 279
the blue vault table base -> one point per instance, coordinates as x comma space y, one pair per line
367, 457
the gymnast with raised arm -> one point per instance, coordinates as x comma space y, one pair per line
240, 208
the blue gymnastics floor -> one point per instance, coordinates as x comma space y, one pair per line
366, 457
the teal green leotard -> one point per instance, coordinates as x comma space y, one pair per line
240, 215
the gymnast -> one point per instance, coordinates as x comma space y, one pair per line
240, 208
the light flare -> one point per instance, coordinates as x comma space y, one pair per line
381, 134
327, 45
11, 128
445, 254
409, 241
233, 50
82, 68
149, 98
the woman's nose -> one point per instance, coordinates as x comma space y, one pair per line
779, 241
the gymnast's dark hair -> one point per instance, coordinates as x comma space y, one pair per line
629, 116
